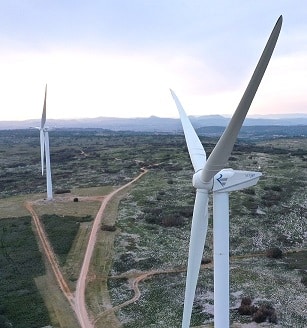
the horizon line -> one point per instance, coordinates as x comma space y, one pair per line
294, 115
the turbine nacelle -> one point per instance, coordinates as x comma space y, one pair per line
226, 180
231, 180
46, 129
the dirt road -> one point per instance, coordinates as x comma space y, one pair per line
48, 251
80, 306
76, 301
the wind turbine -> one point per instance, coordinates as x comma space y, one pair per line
45, 152
210, 175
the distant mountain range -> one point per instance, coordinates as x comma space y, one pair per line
157, 124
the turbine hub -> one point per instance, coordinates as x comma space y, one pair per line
198, 183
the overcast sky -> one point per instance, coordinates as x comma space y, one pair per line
118, 58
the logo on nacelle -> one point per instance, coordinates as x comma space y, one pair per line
222, 180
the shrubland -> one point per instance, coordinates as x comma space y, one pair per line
153, 223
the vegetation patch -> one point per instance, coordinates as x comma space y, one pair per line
120, 290
21, 305
108, 227
264, 312
62, 231
263, 218
160, 304
274, 253
298, 261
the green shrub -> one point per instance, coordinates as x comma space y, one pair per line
304, 279
61, 232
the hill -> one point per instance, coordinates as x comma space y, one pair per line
156, 124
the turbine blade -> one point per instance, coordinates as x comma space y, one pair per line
43, 120
220, 154
42, 144
195, 147
197, 242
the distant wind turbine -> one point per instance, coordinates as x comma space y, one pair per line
45, 152
210, 175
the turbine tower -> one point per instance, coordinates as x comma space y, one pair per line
45, 152
210, 175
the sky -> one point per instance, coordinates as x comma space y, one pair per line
119, 58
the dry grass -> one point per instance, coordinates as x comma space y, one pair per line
61, 205
93, 191
13, 207
65, 206
97, 294
60, 312
75, 257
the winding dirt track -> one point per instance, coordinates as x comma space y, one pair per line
134, 281
138, 277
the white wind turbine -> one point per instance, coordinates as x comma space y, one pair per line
45, 152
210, 175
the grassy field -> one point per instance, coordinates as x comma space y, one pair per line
152, 221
